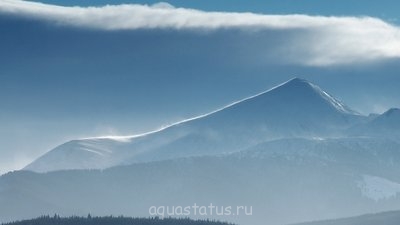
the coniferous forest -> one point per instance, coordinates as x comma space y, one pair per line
111, 220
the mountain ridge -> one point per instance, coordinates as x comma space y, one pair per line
295, 108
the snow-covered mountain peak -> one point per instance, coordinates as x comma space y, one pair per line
301, 87
296, 108
297, 96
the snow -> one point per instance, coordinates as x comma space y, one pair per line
336, 103
378, 188
93, 151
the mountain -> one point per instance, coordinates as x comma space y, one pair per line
293, 154
383, 218
389, 119
385, 125
296, 108
284, 181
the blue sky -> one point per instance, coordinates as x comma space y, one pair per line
64, 77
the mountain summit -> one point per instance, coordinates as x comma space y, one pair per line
314, 94
296, 108
296, 98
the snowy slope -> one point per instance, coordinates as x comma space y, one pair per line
295, 108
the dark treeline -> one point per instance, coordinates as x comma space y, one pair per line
111, 220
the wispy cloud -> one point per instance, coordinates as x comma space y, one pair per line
326, 40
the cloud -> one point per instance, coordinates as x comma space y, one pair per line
321, 41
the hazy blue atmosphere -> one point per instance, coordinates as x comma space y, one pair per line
287, 108
64, 82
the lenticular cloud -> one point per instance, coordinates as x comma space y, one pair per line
325, 40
